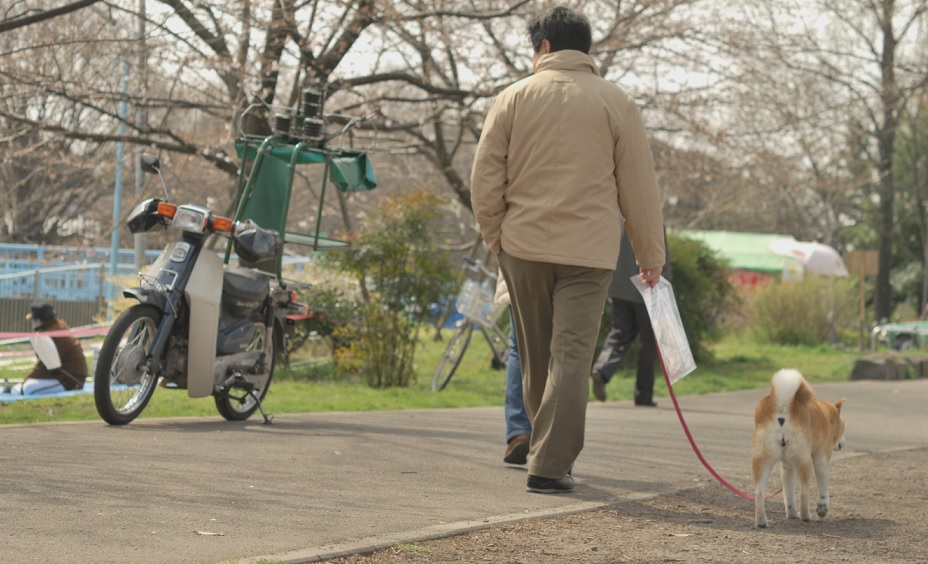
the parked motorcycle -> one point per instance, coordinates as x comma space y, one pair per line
212, 329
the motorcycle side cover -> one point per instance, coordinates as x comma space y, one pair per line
203, 293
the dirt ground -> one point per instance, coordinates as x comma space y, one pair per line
878, 513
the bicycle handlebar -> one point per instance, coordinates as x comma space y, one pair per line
476, 265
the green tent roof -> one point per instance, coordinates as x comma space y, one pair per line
744, 251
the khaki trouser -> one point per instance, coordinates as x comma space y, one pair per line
557, 310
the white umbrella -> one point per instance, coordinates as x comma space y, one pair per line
816, 258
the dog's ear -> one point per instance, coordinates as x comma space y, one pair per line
839, 403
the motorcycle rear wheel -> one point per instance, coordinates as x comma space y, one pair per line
121, 385
235, 404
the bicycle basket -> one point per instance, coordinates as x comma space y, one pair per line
475, 303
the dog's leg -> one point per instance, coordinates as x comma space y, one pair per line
788, 477
820, 464
762, 467
805, 476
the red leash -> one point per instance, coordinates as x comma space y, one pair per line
699, 455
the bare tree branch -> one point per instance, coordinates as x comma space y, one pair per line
217, 157
22, 21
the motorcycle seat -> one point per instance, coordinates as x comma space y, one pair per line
244, 284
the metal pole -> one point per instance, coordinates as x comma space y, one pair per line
923, 314
117, 196
140, 122
863, 311
101, 297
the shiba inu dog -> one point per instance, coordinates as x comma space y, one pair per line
800, 432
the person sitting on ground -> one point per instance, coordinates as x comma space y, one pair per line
72, 373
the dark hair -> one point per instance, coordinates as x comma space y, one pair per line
563, 28
41, 313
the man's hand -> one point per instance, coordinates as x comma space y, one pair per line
650, 276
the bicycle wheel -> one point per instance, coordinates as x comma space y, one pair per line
452, 356
499, 345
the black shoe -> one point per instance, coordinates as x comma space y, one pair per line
599, 385
537, 484
651, 403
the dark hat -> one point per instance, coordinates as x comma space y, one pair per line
42, 312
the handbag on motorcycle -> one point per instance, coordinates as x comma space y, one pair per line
254, 243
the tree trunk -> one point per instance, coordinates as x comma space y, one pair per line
889, 94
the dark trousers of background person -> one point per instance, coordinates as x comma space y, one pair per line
557, 310
630, 321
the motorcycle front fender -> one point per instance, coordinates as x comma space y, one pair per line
144, 296
204, 293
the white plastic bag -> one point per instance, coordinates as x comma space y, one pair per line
46, 350
672, 344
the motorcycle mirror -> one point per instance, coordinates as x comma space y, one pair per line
150, 164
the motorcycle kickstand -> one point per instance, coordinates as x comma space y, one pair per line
237, 380
268, 419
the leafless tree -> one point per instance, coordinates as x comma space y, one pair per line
812, 77
421, 72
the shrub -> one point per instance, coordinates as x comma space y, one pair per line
332, 310
702, 291
805, 312
400, 271
113, 307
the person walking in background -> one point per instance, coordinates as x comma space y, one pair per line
518, 425
630, 320
72, 373
562, 157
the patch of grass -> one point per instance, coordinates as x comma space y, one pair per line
411, 548
738, 364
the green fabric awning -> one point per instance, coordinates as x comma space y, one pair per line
744, 251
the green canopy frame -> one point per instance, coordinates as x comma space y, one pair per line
264, 197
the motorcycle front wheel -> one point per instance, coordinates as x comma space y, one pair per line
236, 404
122, 385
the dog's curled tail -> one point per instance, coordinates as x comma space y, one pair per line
786, 383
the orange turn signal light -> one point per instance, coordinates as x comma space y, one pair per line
222, 223
167, 210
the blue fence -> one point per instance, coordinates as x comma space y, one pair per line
61, 273
76, 281
73, 274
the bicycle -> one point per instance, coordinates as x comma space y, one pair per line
475, 304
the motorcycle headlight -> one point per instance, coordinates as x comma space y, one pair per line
191, 218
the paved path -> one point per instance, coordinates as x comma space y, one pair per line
313, 486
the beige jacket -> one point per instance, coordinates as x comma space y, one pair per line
563, 155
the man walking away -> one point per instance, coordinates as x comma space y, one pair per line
562, 157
